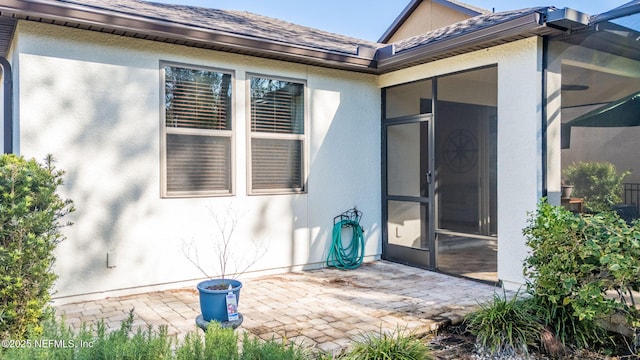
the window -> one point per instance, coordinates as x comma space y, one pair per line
197, 132
277, 136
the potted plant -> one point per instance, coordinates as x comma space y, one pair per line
220, 295
566, 189
215, 302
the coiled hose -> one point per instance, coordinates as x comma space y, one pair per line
350, 257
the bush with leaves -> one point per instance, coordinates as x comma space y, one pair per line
574, 261
598, 183
30, 213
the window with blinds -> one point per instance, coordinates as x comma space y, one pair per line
197, 132
277, 135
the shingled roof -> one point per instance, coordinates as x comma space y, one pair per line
240, 23
256, 35
480, 32
229, 31
463, 27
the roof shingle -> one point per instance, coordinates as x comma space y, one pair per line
261, 36
234, 22
461, 28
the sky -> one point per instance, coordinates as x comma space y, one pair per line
369, 19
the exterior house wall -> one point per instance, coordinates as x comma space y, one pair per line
519, 137
93, 101
426, 17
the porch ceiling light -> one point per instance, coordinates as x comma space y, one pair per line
574, 87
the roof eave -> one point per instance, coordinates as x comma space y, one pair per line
152, 29
533, 24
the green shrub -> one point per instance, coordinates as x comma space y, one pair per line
222, 343
30, 212
574, 261
125, 343
567, 328
256, 349
397, 345
219, 344
505, 326
58, 341
94, 343
192, 348
598, 183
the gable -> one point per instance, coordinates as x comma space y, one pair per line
422, 16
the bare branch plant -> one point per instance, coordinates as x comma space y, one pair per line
228, 262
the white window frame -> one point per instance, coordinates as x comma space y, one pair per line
164, 131
276, 136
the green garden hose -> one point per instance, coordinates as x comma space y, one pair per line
350, 257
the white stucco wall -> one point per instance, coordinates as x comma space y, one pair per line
519, 137
93, 101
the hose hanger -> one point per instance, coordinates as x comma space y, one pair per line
351, 215
350, 256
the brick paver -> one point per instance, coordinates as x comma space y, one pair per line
326, 308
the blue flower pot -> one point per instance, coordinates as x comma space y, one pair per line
213, 302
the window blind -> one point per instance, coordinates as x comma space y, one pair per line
277, 164
198, 163
277, 143
277, 106
197, 132
197, 99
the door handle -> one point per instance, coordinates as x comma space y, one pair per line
428, 177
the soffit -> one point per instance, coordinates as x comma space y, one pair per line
7, 26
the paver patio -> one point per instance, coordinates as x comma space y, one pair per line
325, 308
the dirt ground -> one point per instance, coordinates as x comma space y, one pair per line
454, 343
